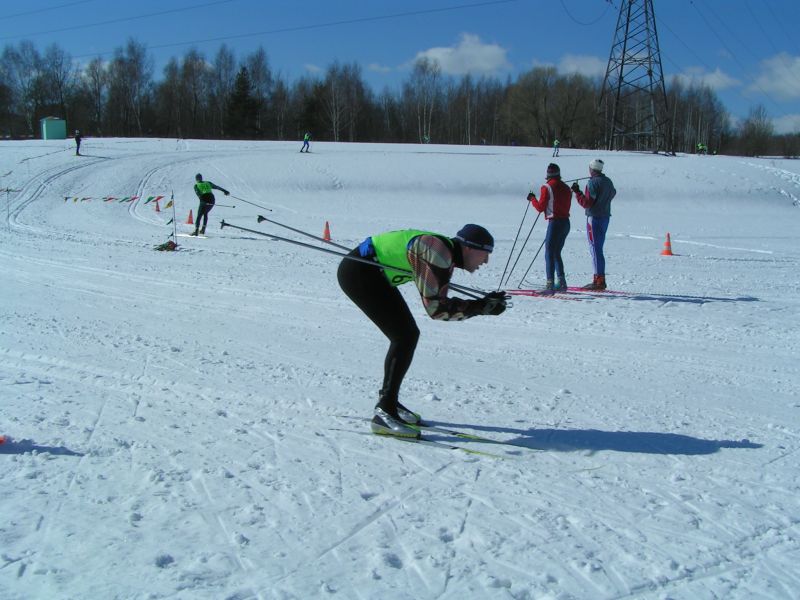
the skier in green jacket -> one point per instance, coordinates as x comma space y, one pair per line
428, 259
203, 190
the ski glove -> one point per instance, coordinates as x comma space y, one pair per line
531, 196
493, 303
576, 188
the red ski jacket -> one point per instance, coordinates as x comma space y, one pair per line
554, 199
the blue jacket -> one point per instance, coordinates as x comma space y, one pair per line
597, 196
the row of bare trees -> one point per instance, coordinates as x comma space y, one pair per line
196, 96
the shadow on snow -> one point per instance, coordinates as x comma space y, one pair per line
595, 440
23, 446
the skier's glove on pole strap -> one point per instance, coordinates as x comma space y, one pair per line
493, 303
531, 196
576, 188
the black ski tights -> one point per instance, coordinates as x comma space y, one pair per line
369, 289
202, 213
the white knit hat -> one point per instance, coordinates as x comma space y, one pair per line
597, 165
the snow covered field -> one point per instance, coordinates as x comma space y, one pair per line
177, 420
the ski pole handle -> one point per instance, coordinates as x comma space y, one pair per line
252, 203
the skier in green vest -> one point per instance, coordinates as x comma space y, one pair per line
306, 140
203, 190
429, 260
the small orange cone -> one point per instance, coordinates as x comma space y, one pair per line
326, 235
158, 209
190, 221
667, 251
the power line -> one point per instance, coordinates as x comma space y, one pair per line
574, 20
318, 25
41, 10
781, 55
733, 55
120, 20
781, 25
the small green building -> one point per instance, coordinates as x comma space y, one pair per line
53, 128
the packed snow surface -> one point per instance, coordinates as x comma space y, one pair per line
193, 424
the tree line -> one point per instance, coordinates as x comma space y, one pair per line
223, 96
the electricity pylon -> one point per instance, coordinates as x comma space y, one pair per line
634, 99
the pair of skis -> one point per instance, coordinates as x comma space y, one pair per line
426, 430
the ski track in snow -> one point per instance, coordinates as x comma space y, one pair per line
173, 413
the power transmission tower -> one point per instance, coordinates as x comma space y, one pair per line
634, 99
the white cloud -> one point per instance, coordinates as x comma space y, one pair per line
590, 66
779, 75
787, 124
716, 80
470, 55
312, 68
376, 68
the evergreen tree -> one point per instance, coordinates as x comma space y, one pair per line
242, 108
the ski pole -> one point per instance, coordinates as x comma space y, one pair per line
514, 245
578, 179
465, 290
226, 205
305, 233
530, 265
251, 203
345, 248
521, 250
174, 221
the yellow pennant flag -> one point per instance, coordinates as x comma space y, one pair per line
168, 204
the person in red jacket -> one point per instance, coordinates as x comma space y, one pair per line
554, 201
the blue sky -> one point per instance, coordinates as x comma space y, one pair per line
747, 50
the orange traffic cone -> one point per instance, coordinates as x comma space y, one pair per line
667, 251
326, 235
158, 209
190, 221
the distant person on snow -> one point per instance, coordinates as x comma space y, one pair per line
596, 199
431, 258
306, 140
77, 143
555, 199
203, 190
556, 145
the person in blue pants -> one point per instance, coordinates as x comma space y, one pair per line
596, 199
555, 199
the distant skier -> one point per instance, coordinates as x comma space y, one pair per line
555, 199
431, 258
306, 140
78, 143
203, 190
556, 145
596, 199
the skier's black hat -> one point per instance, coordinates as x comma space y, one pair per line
553, 170
198, 177
475, 236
